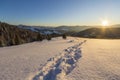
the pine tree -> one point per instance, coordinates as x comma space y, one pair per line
64, 36
17, 40
1, 44
39, 37
48, 37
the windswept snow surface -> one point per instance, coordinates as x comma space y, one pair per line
100, 61
61, 60
59, 66
23, 61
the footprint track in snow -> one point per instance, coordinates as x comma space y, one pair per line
61, 65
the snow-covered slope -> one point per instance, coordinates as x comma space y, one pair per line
100, 61
71, 59
60, 65
23, 61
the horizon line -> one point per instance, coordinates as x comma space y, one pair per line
47, 25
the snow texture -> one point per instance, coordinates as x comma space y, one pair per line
21, 62
100, 60
59, 66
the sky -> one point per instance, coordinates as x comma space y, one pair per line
59, 12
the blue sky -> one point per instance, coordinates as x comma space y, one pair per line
59, 12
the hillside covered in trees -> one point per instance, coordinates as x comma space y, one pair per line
12, 35
109, 33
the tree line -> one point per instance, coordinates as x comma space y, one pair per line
12, 35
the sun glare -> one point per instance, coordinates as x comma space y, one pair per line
105, 23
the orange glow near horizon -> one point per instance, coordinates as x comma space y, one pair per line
105, 23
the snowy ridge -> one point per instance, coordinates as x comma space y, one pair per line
59, 66
42, 30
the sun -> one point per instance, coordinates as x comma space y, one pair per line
105, 23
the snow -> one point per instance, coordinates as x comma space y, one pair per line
59, 66
28, 27
59, 59
42, 30
100, 61
19, 62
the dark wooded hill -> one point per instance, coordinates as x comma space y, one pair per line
12, 35
111, 33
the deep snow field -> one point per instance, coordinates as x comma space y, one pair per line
58, 59
100, 61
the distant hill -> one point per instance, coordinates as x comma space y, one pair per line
72, 28
12, 35
116, 25
113, 33
41, 29
54, 30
